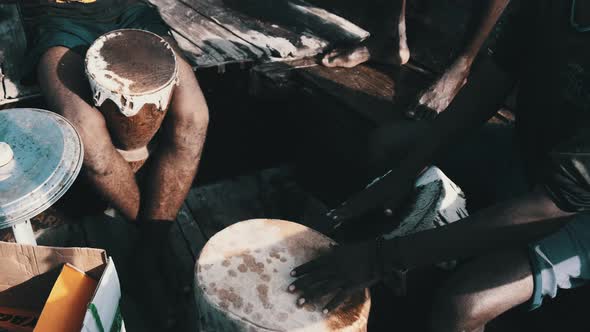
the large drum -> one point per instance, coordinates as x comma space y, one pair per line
132, 74
242, 276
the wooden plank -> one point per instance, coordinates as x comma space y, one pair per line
213, 39
275, 40
270, 193
12, 51
188, 228
186, 240
364, 89
275, 80
325, 24
195, 56
302, 16
194, 202
377, 93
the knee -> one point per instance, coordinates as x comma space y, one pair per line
193, 124
456, 313
189, 129
198, 119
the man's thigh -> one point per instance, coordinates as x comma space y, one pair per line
62, 79
481, 290
65, 87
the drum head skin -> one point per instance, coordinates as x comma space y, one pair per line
131, 61
47, 157
131, 68
243, 273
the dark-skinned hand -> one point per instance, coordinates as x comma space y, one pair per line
344, 270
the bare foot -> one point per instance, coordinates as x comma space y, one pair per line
388, 50
381, 52
441, 93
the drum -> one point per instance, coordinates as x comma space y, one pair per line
242, 275
132, 75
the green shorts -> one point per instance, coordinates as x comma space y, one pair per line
78, 33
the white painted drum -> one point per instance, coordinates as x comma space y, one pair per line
243, 272
46, 156
132, 75
131, 68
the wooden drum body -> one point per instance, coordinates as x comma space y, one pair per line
242, 275
132, 74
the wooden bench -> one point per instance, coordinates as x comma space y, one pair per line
211, 34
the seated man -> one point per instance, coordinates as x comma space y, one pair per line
388, 44
61, 31
523, 249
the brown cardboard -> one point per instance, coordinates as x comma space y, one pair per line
27, 273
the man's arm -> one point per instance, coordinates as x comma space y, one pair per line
351, 267
476, 103
440, 94
506, 225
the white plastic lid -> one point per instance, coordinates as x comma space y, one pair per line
43, 154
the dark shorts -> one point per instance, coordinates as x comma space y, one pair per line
78, 33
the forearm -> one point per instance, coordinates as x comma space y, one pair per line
479, 100
511, 224
493, 11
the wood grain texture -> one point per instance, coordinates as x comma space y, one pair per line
230, 31
216, 41
302, 16
194, 55
275, 39
270, 193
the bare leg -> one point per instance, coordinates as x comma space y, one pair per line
65, 87
387, 44
175, 163
441, 93
481, 291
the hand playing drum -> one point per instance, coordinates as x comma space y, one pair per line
243, 275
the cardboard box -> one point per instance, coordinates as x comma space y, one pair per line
28, 273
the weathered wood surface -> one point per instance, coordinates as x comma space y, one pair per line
12, 51
271, 193
370, 91
276, 41
380, 94
213, 39
195, 56
217, 32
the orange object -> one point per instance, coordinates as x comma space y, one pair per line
17, 320
66, 306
